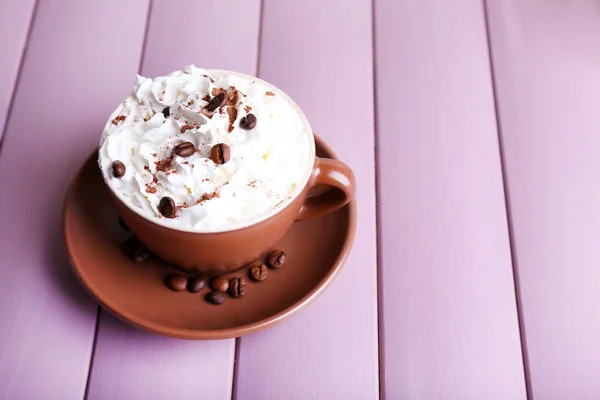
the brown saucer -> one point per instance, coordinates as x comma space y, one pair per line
316, 248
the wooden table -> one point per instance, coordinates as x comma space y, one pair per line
474, 132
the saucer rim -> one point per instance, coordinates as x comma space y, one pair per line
212, 334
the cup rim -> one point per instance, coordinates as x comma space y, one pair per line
249, 222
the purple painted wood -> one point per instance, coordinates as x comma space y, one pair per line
225, 36
132, 364
449, 319
15, 17
73, 73
129, 363
329, 350
547, 72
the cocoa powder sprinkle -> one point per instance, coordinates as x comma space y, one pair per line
118, 119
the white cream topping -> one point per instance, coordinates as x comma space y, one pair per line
269, 164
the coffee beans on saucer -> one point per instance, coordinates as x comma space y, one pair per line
177, 282
259, 272
237, 287
135, 250
220, 284
195, 285
277, 258
215, 298
122, 224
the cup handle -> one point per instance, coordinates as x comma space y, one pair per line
336, 175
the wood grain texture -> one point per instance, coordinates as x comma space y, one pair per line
323, 60
128, 363
547, 73
449, 319
15, 18
46, 321
132, 364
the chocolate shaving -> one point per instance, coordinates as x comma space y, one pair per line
232, 97
118, 119
232, 112
206, 196
269, 93
202, 199
164, 165
186, 128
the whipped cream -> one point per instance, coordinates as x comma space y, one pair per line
268, 165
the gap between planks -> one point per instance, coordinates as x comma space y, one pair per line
506, 190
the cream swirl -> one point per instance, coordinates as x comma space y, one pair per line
269, 164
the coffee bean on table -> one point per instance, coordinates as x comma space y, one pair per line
195, 285
277, 258
237, 287
118, 169
220, 153
215, 102
220, 284
259, 272
248, 122
176, 282
215, 298
167, 208
185, 149
166, 112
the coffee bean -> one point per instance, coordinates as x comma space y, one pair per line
185, 149
166, 207
248, 122
215, 102
259, 272
118, 169
167, 112
176, 282
237, 287
215, 298
277, 258
219, 284
140, 254
122, 224
196, 284
220, 153
135, 250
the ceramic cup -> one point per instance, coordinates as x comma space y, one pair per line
212, 253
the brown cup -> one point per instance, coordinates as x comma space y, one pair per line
219, 252
214, 253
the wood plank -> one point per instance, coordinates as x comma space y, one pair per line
449, 320
46, 321
128, 363
132, 364
328, 350
547, 73
15, 18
